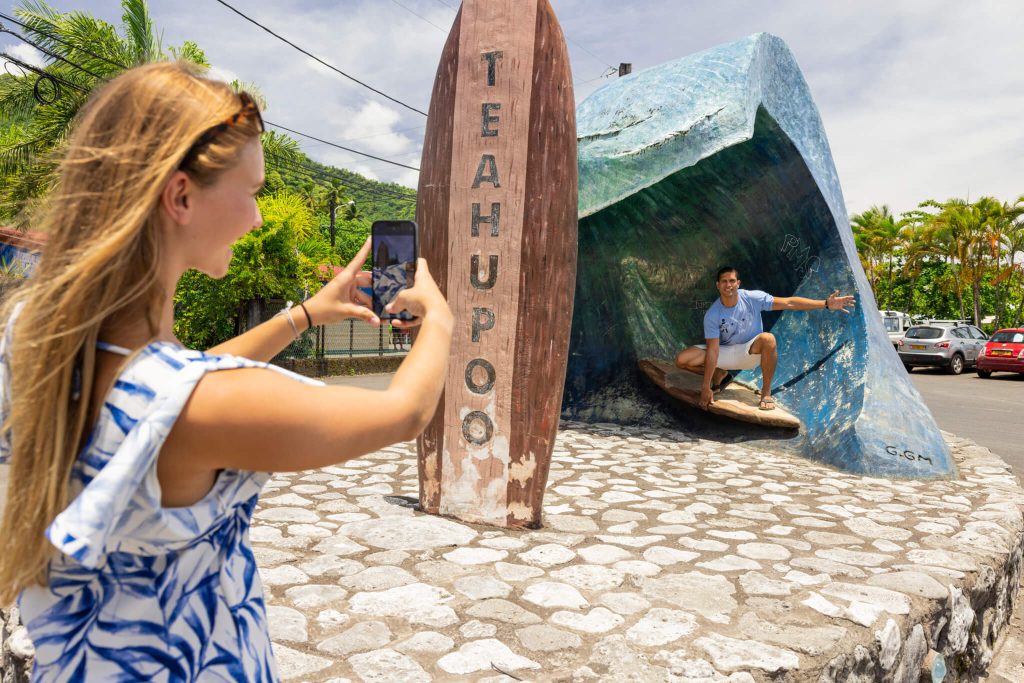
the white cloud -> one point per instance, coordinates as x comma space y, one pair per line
920, 98
27, 54
222, 74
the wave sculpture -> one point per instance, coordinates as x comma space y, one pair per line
721, 158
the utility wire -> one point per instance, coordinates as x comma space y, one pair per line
63, 42
590, 53
313, 173
299, 166
52, 55
45, 75
103, 78
317, 59
312, 165
363, 185
386, 132
442, 30
362, 195
334, 144
606, 74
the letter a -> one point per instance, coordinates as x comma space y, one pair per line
492, 177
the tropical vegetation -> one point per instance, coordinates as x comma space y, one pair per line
314, 216
953, 259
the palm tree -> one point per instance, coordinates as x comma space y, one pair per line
80, 53
1008, 237
916, 252
334, 195
967, 233
878, 236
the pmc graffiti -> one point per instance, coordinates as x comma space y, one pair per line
799, 254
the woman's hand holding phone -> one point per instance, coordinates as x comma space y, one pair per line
341, 298
423, 299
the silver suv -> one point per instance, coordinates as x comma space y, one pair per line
953, 346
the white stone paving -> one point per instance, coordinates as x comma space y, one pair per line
662, 557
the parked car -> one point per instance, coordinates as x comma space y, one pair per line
954, 346
1004, 352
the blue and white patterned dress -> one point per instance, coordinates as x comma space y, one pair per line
139, 591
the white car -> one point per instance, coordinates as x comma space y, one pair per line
896, 325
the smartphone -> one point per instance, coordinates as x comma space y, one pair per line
395, 248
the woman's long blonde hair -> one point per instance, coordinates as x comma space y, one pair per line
101, 260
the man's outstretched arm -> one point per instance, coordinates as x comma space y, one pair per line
834, 302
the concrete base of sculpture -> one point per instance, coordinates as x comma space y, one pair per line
721, 158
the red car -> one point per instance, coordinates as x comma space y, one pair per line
1004, 352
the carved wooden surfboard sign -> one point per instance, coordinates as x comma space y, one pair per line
497, 214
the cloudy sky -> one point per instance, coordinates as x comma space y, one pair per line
920, 98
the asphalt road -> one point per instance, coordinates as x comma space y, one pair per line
988, 411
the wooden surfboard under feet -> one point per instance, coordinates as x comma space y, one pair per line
735, 401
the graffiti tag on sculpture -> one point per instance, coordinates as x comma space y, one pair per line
799, 254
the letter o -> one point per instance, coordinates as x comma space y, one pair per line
467, 424
488, 368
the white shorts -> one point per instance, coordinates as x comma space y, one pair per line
736, 356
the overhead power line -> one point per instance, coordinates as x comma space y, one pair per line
410, 11
313, 173
299, 166
334, 144
43, 75
320, 61
361, 186
62, 42
52, 55
386, 132
81, 68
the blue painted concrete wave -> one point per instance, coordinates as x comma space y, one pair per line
721, 157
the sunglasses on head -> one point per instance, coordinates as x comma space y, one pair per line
249, 110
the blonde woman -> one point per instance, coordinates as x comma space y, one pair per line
135, 463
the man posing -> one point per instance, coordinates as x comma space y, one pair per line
736, 339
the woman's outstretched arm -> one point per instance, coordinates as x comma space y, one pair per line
257, 419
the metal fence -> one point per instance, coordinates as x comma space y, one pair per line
347, 338
355, 337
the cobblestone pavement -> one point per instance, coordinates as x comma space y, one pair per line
663, 557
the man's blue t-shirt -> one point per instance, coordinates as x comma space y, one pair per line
742, 322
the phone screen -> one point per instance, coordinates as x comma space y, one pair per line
394, 264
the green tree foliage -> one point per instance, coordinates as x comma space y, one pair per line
283, 259
956, 258
878, 236
279, 260
83, 52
